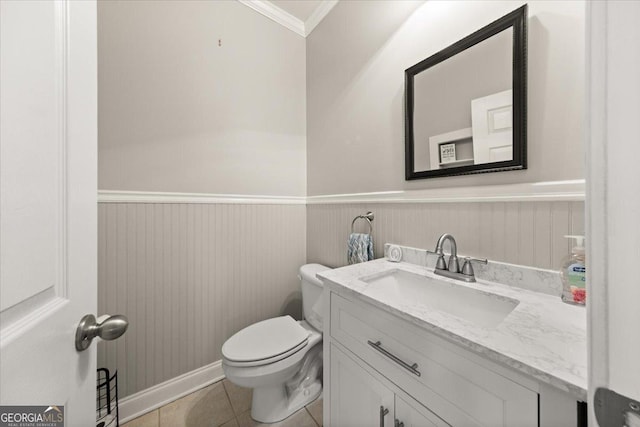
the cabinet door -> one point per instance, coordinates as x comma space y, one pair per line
461, 387
357, 397
410, 413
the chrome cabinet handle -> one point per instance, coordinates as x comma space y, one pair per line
411, 368
398, 423
109, 329
383, 412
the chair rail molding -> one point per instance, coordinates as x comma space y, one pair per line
109, 196
570, 190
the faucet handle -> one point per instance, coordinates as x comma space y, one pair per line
467, 268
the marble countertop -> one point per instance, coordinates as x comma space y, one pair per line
542, 337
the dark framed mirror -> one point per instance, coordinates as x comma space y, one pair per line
466, 106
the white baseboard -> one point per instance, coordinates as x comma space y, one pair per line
159, 395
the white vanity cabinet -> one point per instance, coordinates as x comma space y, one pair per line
357, 396
414, 415
375, 360
362, 397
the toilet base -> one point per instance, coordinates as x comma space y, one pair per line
274, 404
283, 387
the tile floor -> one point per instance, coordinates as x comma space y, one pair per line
221, 404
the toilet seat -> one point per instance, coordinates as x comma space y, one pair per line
245, 375
265, 342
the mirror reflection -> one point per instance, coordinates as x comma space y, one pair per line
462, 118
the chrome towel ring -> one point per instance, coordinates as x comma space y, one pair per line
368, 216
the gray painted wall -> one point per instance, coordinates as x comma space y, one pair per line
525, 233
355, 90
188, 276
179, 113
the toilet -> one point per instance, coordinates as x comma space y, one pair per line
281, 358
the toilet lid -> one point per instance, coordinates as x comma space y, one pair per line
265, 340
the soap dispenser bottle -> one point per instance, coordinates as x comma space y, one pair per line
573, 274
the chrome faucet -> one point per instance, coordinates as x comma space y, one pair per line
453, 269
454, 266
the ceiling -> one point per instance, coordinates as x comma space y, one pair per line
301, 9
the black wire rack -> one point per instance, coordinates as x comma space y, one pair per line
107, 414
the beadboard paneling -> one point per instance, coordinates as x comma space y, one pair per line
189, 276
526, 233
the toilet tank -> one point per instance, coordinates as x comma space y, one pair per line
312, 304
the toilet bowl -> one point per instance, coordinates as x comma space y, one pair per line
280, 358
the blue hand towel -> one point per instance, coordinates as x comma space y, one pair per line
359, 248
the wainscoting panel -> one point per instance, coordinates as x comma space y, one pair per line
188, 276
526, 233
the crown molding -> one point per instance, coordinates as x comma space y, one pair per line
276, 14
289, 21
318, 15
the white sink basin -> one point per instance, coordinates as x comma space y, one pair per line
426, 293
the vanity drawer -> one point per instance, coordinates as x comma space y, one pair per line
460, 387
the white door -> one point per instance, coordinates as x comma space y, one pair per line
357, 398
492, 128
48, 149
613, 210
